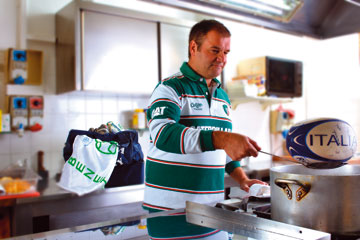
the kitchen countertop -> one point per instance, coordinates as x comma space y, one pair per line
110, 206
51, 191
61, 209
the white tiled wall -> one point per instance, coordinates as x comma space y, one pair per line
79, 110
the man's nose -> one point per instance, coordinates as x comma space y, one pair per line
221, 57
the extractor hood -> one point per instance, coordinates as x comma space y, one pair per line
319, 19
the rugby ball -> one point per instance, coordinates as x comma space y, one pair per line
321, 139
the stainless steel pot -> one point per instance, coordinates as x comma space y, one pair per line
326, 200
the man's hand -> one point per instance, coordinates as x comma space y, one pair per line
236, 146
245, 183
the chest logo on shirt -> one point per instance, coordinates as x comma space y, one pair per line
196, 106
157, 112
226, 109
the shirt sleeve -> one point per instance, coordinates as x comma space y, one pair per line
231, 165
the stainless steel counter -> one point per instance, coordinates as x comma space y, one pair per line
57, 208
60, 209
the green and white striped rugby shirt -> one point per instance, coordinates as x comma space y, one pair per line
182, 164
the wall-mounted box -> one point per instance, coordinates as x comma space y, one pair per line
26, 64
19, 112
18, 66
36, 112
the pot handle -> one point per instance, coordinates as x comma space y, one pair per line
300, 192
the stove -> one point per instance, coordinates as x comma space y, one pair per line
261, 208
235, 217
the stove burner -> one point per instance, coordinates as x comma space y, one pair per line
261, 207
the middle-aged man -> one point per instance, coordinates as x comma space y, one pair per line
190, 136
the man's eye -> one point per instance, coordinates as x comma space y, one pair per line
215, 51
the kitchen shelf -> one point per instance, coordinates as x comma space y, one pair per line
264, 101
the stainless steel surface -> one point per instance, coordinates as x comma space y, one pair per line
118, 221
70, 49
322, 199
247, 225
319, 19
174, 48
65, 209
114, 49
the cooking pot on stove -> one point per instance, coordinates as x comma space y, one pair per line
322, 199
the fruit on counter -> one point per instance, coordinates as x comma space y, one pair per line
6, 179
16, 186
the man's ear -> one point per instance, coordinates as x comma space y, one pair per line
192, 47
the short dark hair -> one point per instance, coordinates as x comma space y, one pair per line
200, 29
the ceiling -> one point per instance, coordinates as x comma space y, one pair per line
319, 19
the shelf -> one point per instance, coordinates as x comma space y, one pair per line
264, 101
24, 89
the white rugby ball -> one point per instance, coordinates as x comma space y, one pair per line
321, 139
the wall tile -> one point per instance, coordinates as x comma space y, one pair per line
125, 104
20, 144
93, 104
57, 161
54, 123
77, 121
110, 117
40, 141
57, 143
140, 102
49, 104
76, 102
5, 160
61, 104
93, 121
109, 105
23, 158
5, 143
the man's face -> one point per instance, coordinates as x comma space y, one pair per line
210, 59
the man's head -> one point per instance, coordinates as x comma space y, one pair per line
209, 43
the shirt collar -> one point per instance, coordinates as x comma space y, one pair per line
192, 75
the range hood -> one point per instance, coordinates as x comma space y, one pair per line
319, 19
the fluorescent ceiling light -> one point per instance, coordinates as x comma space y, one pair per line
280, 10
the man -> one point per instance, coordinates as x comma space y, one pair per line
190, 131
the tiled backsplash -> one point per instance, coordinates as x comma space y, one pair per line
78, 110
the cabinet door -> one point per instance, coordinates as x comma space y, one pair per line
119, 54
174, 48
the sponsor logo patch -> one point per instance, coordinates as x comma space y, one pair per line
158, 112
226, 109
196, 106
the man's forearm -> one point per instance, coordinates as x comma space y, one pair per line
239, 175
218, 138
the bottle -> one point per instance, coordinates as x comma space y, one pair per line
139, 119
